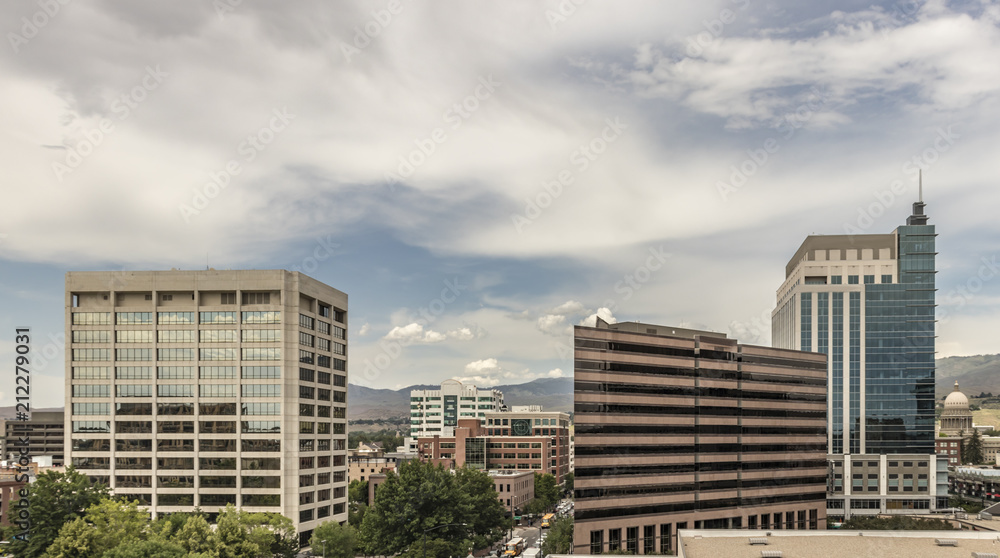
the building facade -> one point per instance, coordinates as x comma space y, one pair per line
956, 417
200, 389
45, 433
532, 440
514, 488
949, 449
678, 428
436, 412
867, 301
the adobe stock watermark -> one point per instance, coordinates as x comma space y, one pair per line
943, 141
31, 26
365, 33
254, 144
324, 250
565, 9
122, 107
757, 158
455, 115
580, 159
629, 284
391, 349
961, 295
901, 14
752, 331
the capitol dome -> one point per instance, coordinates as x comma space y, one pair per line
956, 403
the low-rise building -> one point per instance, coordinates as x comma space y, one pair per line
874, 484
514, 488
45, 434
950, 449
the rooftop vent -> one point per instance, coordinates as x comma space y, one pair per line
984, 555
758, 540
946, 542
770, 554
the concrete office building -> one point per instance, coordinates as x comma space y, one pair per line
45, 433
436, 412
867, 301
679, 428
193, 389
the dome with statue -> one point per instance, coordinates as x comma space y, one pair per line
956, 418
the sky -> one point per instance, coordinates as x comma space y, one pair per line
479, 177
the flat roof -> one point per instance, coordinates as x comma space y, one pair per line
842, 242
735, 543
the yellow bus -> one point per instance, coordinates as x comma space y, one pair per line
546, 519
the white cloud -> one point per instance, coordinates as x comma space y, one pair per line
569, 307
603, 313
556, 373
552, 324
415, 333
364, 330
487, 366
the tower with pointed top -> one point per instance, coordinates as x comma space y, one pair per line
867, 301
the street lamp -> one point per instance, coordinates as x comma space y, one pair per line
438, 527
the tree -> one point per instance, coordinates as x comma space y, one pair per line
546, 489
896, 523
357, 491
535, 506
422, 497
973, 450
333, 540
356, 514
55, 499
148, 549
560, 539
568, 483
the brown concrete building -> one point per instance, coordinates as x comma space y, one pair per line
950, 449
200, 389
681, 428
514, 488
524, 440
45, 432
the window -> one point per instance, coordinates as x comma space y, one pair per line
267, 317
175, 499
91, 318
91, 408
323, 395
322, 344
217, 445
220, 353
175, 445
261, 427
263, 500
262, 445
174, 463
91, 354
306, 357
175, 372
173, 354
261, 335
174, 318
174, 481
95, 336
174, 335
217, 463
836, 279
217, 427
262, 353
339, 315
887, 279
85, 444
133, 318
306, 392
256, 298
261, 372
218, 499
306, 339
175, 409
91, 372
261, 390
217, 335
134, 390
339, 349
217, 409
306, 375
323, 378
175, 427
869, 280
217, 317
227, 298
134, 372
261, 464
174, 390
339, 332
852, 279
323, 327
323, 412
306, 410
92, 426
323, 360
217, 372
217, 390
134, 354
306, 321
324, 310
261, 409
340, 364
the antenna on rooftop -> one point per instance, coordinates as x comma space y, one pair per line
920, 185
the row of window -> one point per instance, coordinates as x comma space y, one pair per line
221, 353
179, 390
175, 372
176, 318
181, 409
104, 444
204, 481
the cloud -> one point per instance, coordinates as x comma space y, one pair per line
364, 330
603, 313
487, 366
569, 307
551, 324
415, 333
556, 373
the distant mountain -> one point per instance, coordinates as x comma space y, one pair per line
553, 394
975, 374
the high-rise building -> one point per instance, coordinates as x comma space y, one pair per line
200, 389
867, 301
678, 429
436, 412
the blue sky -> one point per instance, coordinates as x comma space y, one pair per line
480, 177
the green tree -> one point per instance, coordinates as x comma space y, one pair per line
973, 450
106, 525
54, 500
147, 549
535, 506
333, 540
195, 535
560, 539
896, 523
422, 497
568, 483
357, 491
546, 489
356, 514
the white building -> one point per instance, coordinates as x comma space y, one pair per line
200, 389
435, 412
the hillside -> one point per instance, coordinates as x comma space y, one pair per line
553, 394
975, 374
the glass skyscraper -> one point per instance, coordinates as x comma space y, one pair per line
867, 301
